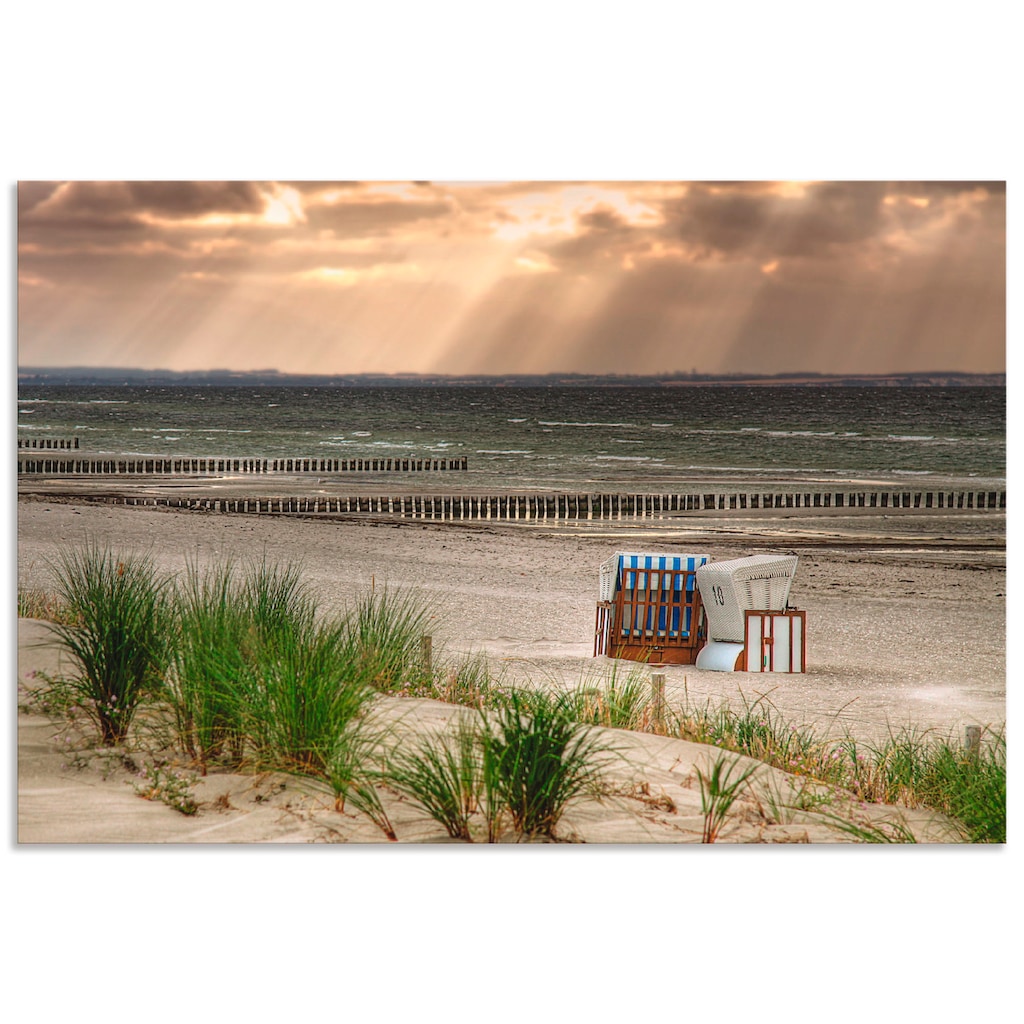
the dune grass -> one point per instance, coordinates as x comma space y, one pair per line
615, 702
468, 680
255, 675
443, 774
299, 693
386, 628
910, 768
116, 628
44, 605
514, 769
261, 676
916, 770
537, 758
210, 664
929, 770
719, 790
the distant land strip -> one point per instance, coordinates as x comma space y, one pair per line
116, 376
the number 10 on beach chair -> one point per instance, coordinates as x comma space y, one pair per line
649, 608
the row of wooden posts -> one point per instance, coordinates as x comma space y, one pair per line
539, 507
47, 442
185, 467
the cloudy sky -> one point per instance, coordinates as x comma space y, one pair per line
528, 277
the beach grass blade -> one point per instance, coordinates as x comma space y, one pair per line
719, 790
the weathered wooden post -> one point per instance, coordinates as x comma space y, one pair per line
658, 700
972, 740
426, 654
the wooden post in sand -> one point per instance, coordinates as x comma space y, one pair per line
426, 654
658, 699
972, 740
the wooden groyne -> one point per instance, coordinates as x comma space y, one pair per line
48, 442
191, 467
568, 507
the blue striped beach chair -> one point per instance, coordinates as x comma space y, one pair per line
649, 608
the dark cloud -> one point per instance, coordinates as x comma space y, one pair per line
760, 223
80, 208
196, 198
603, 219
739, 221
84, 206
719, 220
602, 233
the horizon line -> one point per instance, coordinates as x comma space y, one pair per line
72, 372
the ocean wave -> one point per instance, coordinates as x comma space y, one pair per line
727, 430
576, 423
504, 451
800, 433
760, 469
910, 437
206, 430
339, 442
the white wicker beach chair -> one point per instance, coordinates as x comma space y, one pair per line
730, 588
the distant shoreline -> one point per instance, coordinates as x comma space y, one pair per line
136, 377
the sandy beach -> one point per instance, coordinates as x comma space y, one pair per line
906, 627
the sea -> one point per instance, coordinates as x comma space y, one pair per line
556, 437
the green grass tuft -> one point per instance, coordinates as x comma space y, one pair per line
719, 790
537, 759
117, 633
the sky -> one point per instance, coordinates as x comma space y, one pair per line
643, 277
